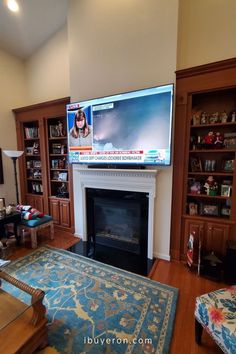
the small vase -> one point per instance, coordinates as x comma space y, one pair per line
212, 193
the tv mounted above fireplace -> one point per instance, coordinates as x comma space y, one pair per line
132, 128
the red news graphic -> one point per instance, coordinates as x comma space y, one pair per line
114, 156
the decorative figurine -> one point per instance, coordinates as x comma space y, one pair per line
196, 119
62, 191
223, 117
209, 138
232, 116
36, 149
219, 138
204, 118
211, 186
214, 118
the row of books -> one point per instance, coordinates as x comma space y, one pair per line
37, 188
32, 132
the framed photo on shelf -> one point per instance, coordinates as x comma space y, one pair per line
2, 208
29, 150
228, 165
225, 211
37, 164
230, 140
56, 149
55, 175
225, 190
54, 163
209, 209
195, 164
53, 129
2, 203
193, 209
62, 176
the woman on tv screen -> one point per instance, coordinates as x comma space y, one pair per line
81, 132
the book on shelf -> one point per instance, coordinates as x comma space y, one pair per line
31, 133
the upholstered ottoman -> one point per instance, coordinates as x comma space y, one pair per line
34, 225
216, 313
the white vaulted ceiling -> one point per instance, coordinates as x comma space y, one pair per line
24, 32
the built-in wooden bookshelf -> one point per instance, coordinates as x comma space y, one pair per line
204, 176
45, 175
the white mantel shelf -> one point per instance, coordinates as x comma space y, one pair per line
134, 180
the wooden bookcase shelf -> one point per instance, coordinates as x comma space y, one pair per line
204, 146
45, 175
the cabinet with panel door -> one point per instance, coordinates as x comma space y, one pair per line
212, 235
204, 174
60, 211
36, 201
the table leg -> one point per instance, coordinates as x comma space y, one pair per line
2, 232
17, 236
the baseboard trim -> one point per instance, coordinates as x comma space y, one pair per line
77, 235
166, 257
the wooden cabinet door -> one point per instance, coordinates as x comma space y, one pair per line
38, 202
196, 228
65, 213
55, 211
29, 199
216, 237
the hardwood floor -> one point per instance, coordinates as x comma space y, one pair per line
172, 273
62, 239
190, 286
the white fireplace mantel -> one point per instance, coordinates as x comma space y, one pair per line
112, 179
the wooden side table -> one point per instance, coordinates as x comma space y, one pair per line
22, 327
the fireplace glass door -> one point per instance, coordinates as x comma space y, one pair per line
117, 225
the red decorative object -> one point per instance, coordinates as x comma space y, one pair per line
209, 138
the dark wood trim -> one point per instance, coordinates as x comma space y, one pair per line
63, 100
206, 68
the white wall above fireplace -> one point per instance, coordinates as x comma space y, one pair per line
113, 179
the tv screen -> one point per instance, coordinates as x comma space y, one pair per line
127, 128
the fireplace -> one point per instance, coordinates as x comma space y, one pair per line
114, 216
117, 223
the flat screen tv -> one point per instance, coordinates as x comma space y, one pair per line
132, 128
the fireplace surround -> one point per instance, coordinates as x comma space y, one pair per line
141, 182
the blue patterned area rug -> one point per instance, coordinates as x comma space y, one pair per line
96, 308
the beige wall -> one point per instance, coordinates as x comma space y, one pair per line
120, 45
116, 46
44, 76
47, 70
207, 32
12, 94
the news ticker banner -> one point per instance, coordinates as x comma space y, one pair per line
127, 156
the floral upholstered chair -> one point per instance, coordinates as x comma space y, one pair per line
216, 313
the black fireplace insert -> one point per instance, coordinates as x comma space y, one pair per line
117, 228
